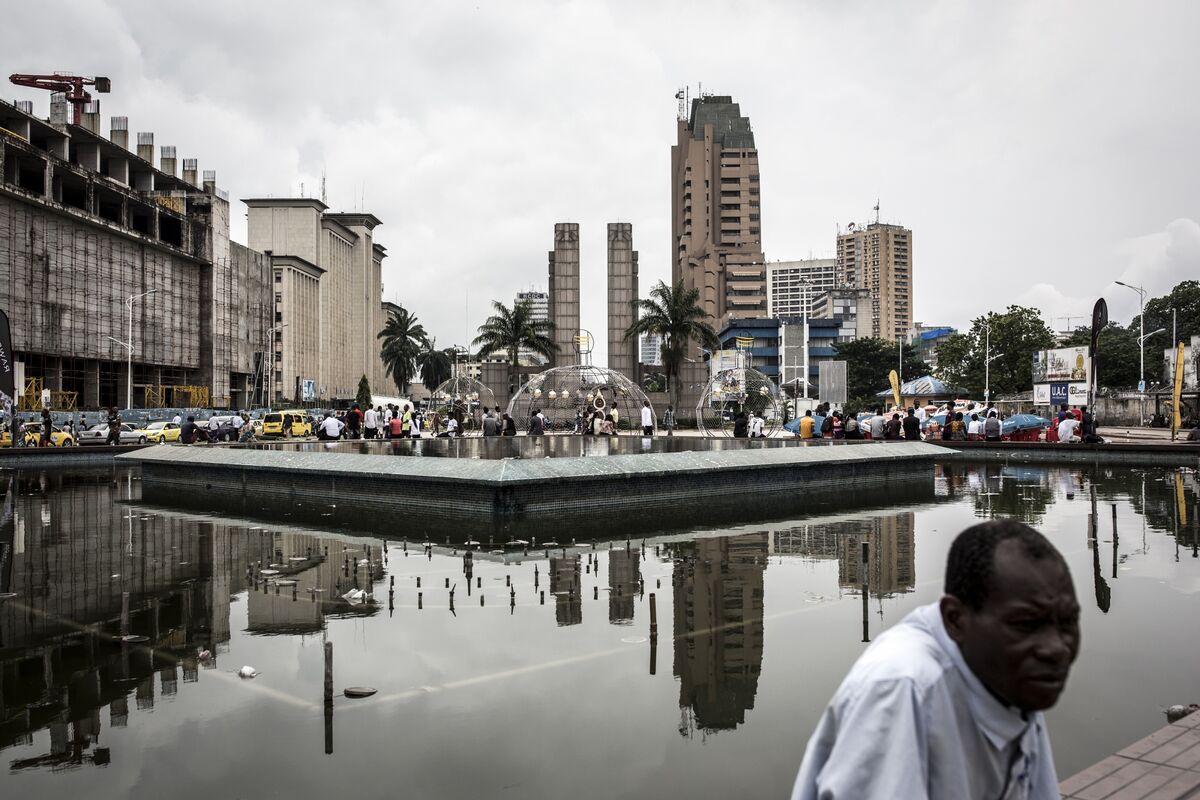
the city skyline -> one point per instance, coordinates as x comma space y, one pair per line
958, 121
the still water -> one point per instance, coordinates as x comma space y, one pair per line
518, 694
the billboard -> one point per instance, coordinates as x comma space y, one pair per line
1064, 365
1061, 376
831, 381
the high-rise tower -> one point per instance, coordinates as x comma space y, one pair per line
716, 238
878, 258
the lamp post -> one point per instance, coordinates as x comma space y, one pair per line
1141, 333
271, 361
128, 344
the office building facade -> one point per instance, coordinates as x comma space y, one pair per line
622, 299
792, 286
539, 309
564, 291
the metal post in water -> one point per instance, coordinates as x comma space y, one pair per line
653, 615
420, 601
328, 698
866, 552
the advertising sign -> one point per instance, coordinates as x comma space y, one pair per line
308, 390
1061, 376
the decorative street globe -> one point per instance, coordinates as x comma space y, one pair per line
582, 390
733, 391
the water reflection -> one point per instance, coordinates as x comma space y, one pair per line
89, 570
718, 586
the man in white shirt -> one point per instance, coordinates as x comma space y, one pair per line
451, 427
370, 423
948, 703
920, 413
1066, 429
975, 427
330, 428
178, 420
647, 419
756, 426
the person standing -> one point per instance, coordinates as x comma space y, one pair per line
47, 429
354, 422
891, 429
371, 423
406, 422
510, 425
668, 420
948, 703
975, 428
395, 427
912, 427
877, 423
537, 423
647, 419
114, 427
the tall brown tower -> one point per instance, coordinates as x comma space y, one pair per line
564, 291
716, 235
878, 258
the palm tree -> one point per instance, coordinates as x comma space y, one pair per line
435, 365
403, 338
673, 313
509, 330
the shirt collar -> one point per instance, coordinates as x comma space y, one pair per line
1002, 724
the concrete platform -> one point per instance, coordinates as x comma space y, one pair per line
1163, 766
567, 497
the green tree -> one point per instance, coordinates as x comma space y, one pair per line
1184, 299
403, 338
868, 363
1116, 355
674, 313
435, 365
363, 398
1015, 336
511, 329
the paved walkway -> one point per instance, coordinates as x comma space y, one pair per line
1163, 766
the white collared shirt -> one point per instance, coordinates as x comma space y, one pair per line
911, 720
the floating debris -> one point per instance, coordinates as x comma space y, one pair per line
134, 638
358, 691
1178, 712
247, 672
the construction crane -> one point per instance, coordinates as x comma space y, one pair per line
69, 85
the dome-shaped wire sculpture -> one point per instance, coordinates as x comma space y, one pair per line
568, 396
733, 391
466, 399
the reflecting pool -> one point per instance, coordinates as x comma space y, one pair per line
529, 676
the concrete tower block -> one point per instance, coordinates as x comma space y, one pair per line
564, 291
622, 297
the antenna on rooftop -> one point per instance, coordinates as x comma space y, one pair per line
681, 96
876, 210
324, 199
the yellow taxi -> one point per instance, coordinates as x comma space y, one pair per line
159, 432
292, 422
31, 436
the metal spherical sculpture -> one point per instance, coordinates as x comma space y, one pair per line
580, 391
466, 399
734, 391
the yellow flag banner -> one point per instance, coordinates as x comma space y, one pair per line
895, 381
1180, 501
1177, 395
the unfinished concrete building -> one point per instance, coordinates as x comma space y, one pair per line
96, 239
564, 291
622, 299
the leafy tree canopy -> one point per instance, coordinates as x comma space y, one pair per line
868, 363
1015, 335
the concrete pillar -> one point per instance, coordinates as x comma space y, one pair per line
91, 384
622, 295
564, 291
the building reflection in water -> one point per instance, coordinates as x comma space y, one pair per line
891, 564
564, 585
623, 573
87, 570
718, 587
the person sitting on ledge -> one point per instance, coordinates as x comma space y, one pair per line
948, 703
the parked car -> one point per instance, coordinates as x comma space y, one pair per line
226, 431
31, 436
292, 422
160, 432
98, 434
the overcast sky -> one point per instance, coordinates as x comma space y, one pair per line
1037, 150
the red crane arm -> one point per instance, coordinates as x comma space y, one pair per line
70, 85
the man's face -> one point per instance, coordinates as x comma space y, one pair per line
1022, 643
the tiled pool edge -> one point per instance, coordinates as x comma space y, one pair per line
379, 493
1164, 765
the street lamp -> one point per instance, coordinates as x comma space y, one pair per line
128, 344
271, 364
988, 358
1141, 333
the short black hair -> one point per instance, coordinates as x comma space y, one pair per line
973, 556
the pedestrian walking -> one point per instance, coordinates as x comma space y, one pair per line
647, 419
371, 422
47, 429
114, 427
